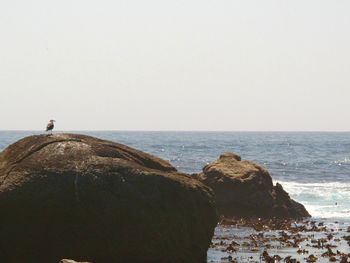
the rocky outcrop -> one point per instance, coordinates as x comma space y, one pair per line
245, 189
78, 197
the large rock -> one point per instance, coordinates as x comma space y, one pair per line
245, 189
78, 197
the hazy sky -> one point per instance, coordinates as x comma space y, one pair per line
175, 65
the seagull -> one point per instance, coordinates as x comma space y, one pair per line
50, 126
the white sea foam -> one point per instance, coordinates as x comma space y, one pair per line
326, 200
343, 161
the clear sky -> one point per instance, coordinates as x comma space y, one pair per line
175, 65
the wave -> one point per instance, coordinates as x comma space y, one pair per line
323, 200
343, 161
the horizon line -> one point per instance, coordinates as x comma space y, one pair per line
115, 130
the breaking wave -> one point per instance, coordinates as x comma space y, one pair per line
322, 200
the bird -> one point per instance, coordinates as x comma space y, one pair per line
50, 126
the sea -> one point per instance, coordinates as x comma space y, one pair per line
313, 167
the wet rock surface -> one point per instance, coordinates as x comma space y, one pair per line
78, 197
245, 189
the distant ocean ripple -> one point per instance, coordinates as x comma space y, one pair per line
313, 167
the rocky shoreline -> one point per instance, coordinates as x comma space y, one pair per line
239, 240
82, 198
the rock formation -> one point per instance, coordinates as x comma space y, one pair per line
78, 197
245, 189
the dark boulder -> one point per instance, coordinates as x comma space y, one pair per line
75, 196
245, 189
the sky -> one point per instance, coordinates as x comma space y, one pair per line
246, 65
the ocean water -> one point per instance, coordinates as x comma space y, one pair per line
313, 167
